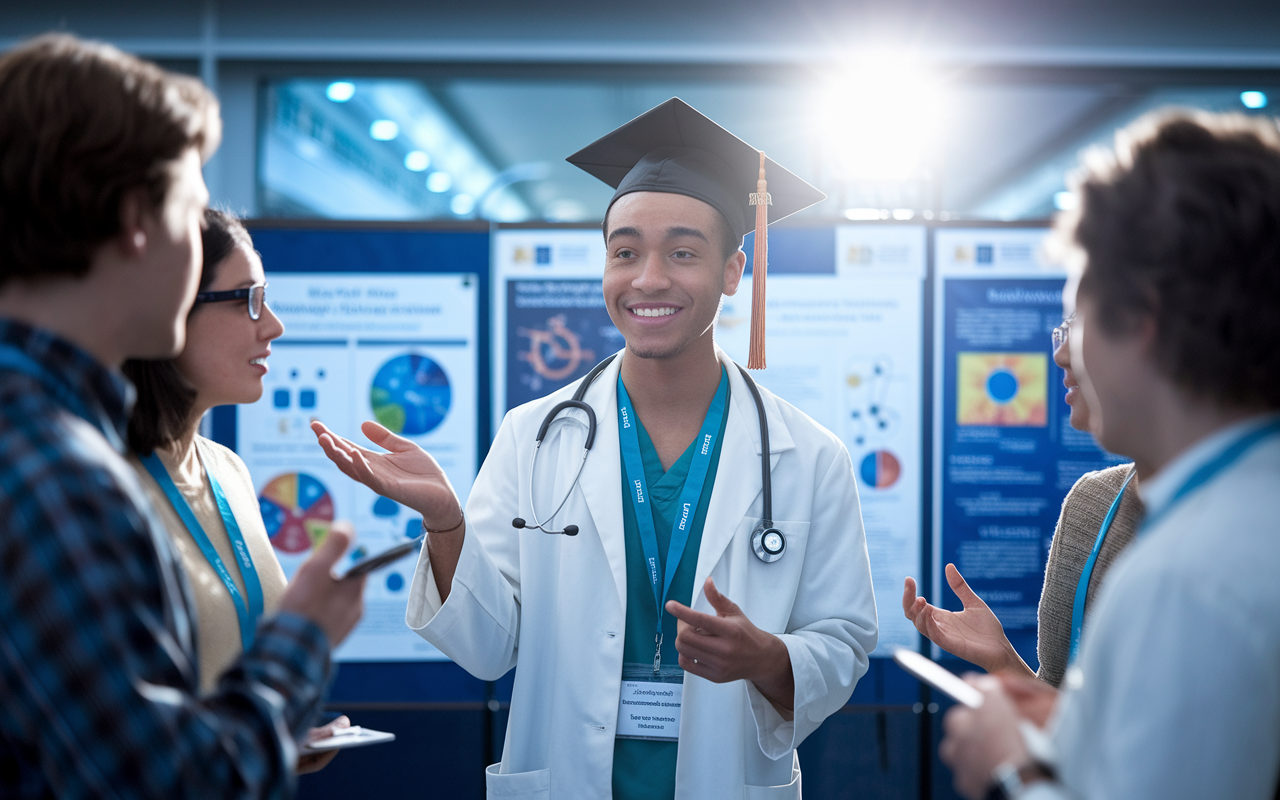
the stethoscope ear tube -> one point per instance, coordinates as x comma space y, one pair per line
766, 482
578, 404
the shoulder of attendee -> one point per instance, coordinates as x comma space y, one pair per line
807, 433
227, 465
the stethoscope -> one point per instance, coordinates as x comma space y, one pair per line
767, 542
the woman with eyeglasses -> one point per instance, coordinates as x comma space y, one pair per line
201, 489
1100, 517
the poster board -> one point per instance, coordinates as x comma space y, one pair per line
1005, 454
379, 324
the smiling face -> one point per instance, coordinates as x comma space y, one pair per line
665, 272
226, 352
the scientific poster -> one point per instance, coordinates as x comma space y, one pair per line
845, 347
551, 325
399, 349
1005, 453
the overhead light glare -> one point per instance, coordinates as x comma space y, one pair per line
439, 182
384, 130
903, 214
417, 161
866, 213
340, 91
1065, 201
1253, 99
462, 204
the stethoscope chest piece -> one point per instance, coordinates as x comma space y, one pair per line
768, 543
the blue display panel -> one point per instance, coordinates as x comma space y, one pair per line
1005, 453
388, 325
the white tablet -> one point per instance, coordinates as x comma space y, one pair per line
355, 736
937, 676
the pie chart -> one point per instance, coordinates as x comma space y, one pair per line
297, 511
880, 469
410, 394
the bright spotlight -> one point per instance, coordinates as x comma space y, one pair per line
384, 130
416, 161
1064, 201
1253, 99
462, 204
341, 91
865, 213
439, 182
881, 119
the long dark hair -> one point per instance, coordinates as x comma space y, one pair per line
165, 398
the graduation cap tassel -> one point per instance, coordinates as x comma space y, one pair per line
760, 267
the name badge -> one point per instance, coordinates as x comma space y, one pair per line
649, 705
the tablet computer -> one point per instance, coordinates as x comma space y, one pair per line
938, 677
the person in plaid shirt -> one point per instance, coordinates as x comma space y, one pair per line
101, 199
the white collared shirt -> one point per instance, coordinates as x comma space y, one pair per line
1179, 693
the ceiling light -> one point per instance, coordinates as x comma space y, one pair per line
341, 91
903, 214
1253, 99
416, 160
439, 182
1064, 201
864, 213
384, 130
462, 204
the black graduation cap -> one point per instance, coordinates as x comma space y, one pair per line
674, 148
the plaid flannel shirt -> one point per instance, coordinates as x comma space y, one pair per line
98, 684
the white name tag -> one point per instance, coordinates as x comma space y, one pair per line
650, 710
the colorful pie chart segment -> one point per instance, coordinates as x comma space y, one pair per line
410, 394
880, 469
297, 510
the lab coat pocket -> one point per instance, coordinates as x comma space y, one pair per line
534, 785
791, 791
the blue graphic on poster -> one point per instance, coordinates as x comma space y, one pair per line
556, 332
410, 395
1008, 452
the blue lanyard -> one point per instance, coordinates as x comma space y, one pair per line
15, 359
1210, 470
689, 495
248, 614
1082, 588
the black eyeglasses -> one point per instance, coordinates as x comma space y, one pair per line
256, 295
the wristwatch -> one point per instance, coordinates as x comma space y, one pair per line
1009, 779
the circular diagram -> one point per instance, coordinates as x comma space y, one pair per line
880, 469
410, 394
1002, 386
297, 511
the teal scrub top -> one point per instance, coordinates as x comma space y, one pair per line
645, 769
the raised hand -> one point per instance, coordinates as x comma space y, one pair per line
405, 473
974, 634
728, 647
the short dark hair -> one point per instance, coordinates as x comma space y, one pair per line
164, 398
81, 126
1181, 224
730, 243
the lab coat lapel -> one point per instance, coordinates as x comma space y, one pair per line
738, 479
601, 481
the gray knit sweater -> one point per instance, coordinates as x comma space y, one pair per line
1083, 510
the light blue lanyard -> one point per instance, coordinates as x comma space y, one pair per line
1082, 588
690, 494
15, 359
1210, 470
253, 587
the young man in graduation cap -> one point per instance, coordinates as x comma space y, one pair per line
685, 637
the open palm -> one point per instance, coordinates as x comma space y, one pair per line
974, 633
405, 472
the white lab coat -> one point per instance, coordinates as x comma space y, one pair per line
556, 605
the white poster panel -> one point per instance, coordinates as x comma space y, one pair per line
845, 348
399, 349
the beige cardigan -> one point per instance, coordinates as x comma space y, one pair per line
1083, 511
217, 625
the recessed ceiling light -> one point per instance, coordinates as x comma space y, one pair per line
439, 182
384, 130
416, 160
341, 91
1253, 99
462, 204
